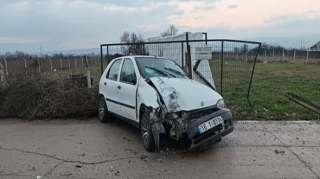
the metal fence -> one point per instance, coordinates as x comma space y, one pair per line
289, 55
12, 66
231, 67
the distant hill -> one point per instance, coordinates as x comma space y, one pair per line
76, 51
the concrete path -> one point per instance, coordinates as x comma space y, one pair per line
90, 149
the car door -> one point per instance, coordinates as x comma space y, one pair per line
128, 89
110, 90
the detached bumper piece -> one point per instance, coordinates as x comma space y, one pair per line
214, 134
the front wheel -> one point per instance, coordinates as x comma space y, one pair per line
103, 110
146, 133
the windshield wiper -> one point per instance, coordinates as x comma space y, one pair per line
175, 71
160, 71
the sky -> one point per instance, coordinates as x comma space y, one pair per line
79, 24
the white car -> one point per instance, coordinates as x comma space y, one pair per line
157, 96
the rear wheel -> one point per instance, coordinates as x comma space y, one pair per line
103, 110
146, 133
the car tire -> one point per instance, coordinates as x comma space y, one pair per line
146, 133
103, 112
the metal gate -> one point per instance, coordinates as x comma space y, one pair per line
231, 67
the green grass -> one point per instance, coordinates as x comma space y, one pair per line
270, 83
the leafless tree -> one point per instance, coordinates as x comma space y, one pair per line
171, 30
133, 44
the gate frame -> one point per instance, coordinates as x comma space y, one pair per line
189, 66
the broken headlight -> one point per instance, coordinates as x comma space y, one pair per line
180, 114
221, 104
183, 114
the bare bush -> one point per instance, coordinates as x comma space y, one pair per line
42, 96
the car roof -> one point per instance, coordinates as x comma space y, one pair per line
132, 56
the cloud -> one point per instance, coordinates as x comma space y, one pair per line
233, 6
70, 24
20, 40
66, 24
203, 8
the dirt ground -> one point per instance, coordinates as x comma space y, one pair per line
90, 149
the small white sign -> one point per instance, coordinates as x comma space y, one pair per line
203, 53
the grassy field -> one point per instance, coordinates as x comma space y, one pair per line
271, 81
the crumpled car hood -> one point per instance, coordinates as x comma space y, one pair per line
184, 94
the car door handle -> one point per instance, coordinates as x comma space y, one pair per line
119, 87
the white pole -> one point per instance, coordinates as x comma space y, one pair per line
273, 56
50, 64
60, 64
6, 64
25, 65
2, 76
39, 65
88, 72
76, 62
294, 55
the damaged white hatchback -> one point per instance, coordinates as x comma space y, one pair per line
159, 98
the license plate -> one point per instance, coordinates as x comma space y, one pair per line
210, 124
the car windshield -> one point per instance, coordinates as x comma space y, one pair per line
159, 67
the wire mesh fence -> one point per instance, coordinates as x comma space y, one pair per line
289, 55
44, 65
229, 68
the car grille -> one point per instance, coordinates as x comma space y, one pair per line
195, 115
198, 138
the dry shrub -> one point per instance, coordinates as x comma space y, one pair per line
42, 96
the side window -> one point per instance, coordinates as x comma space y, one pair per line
128, 74
114, 70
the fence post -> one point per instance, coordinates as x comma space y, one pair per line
76, 62
273, 56
50, 64
60, 64
265, 54
307, 55
88, 73
39, 65
2, 76
294, 55
25, 65
6, 64
221, 75
69, 63
81, 62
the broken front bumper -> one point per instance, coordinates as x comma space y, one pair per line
214, 134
